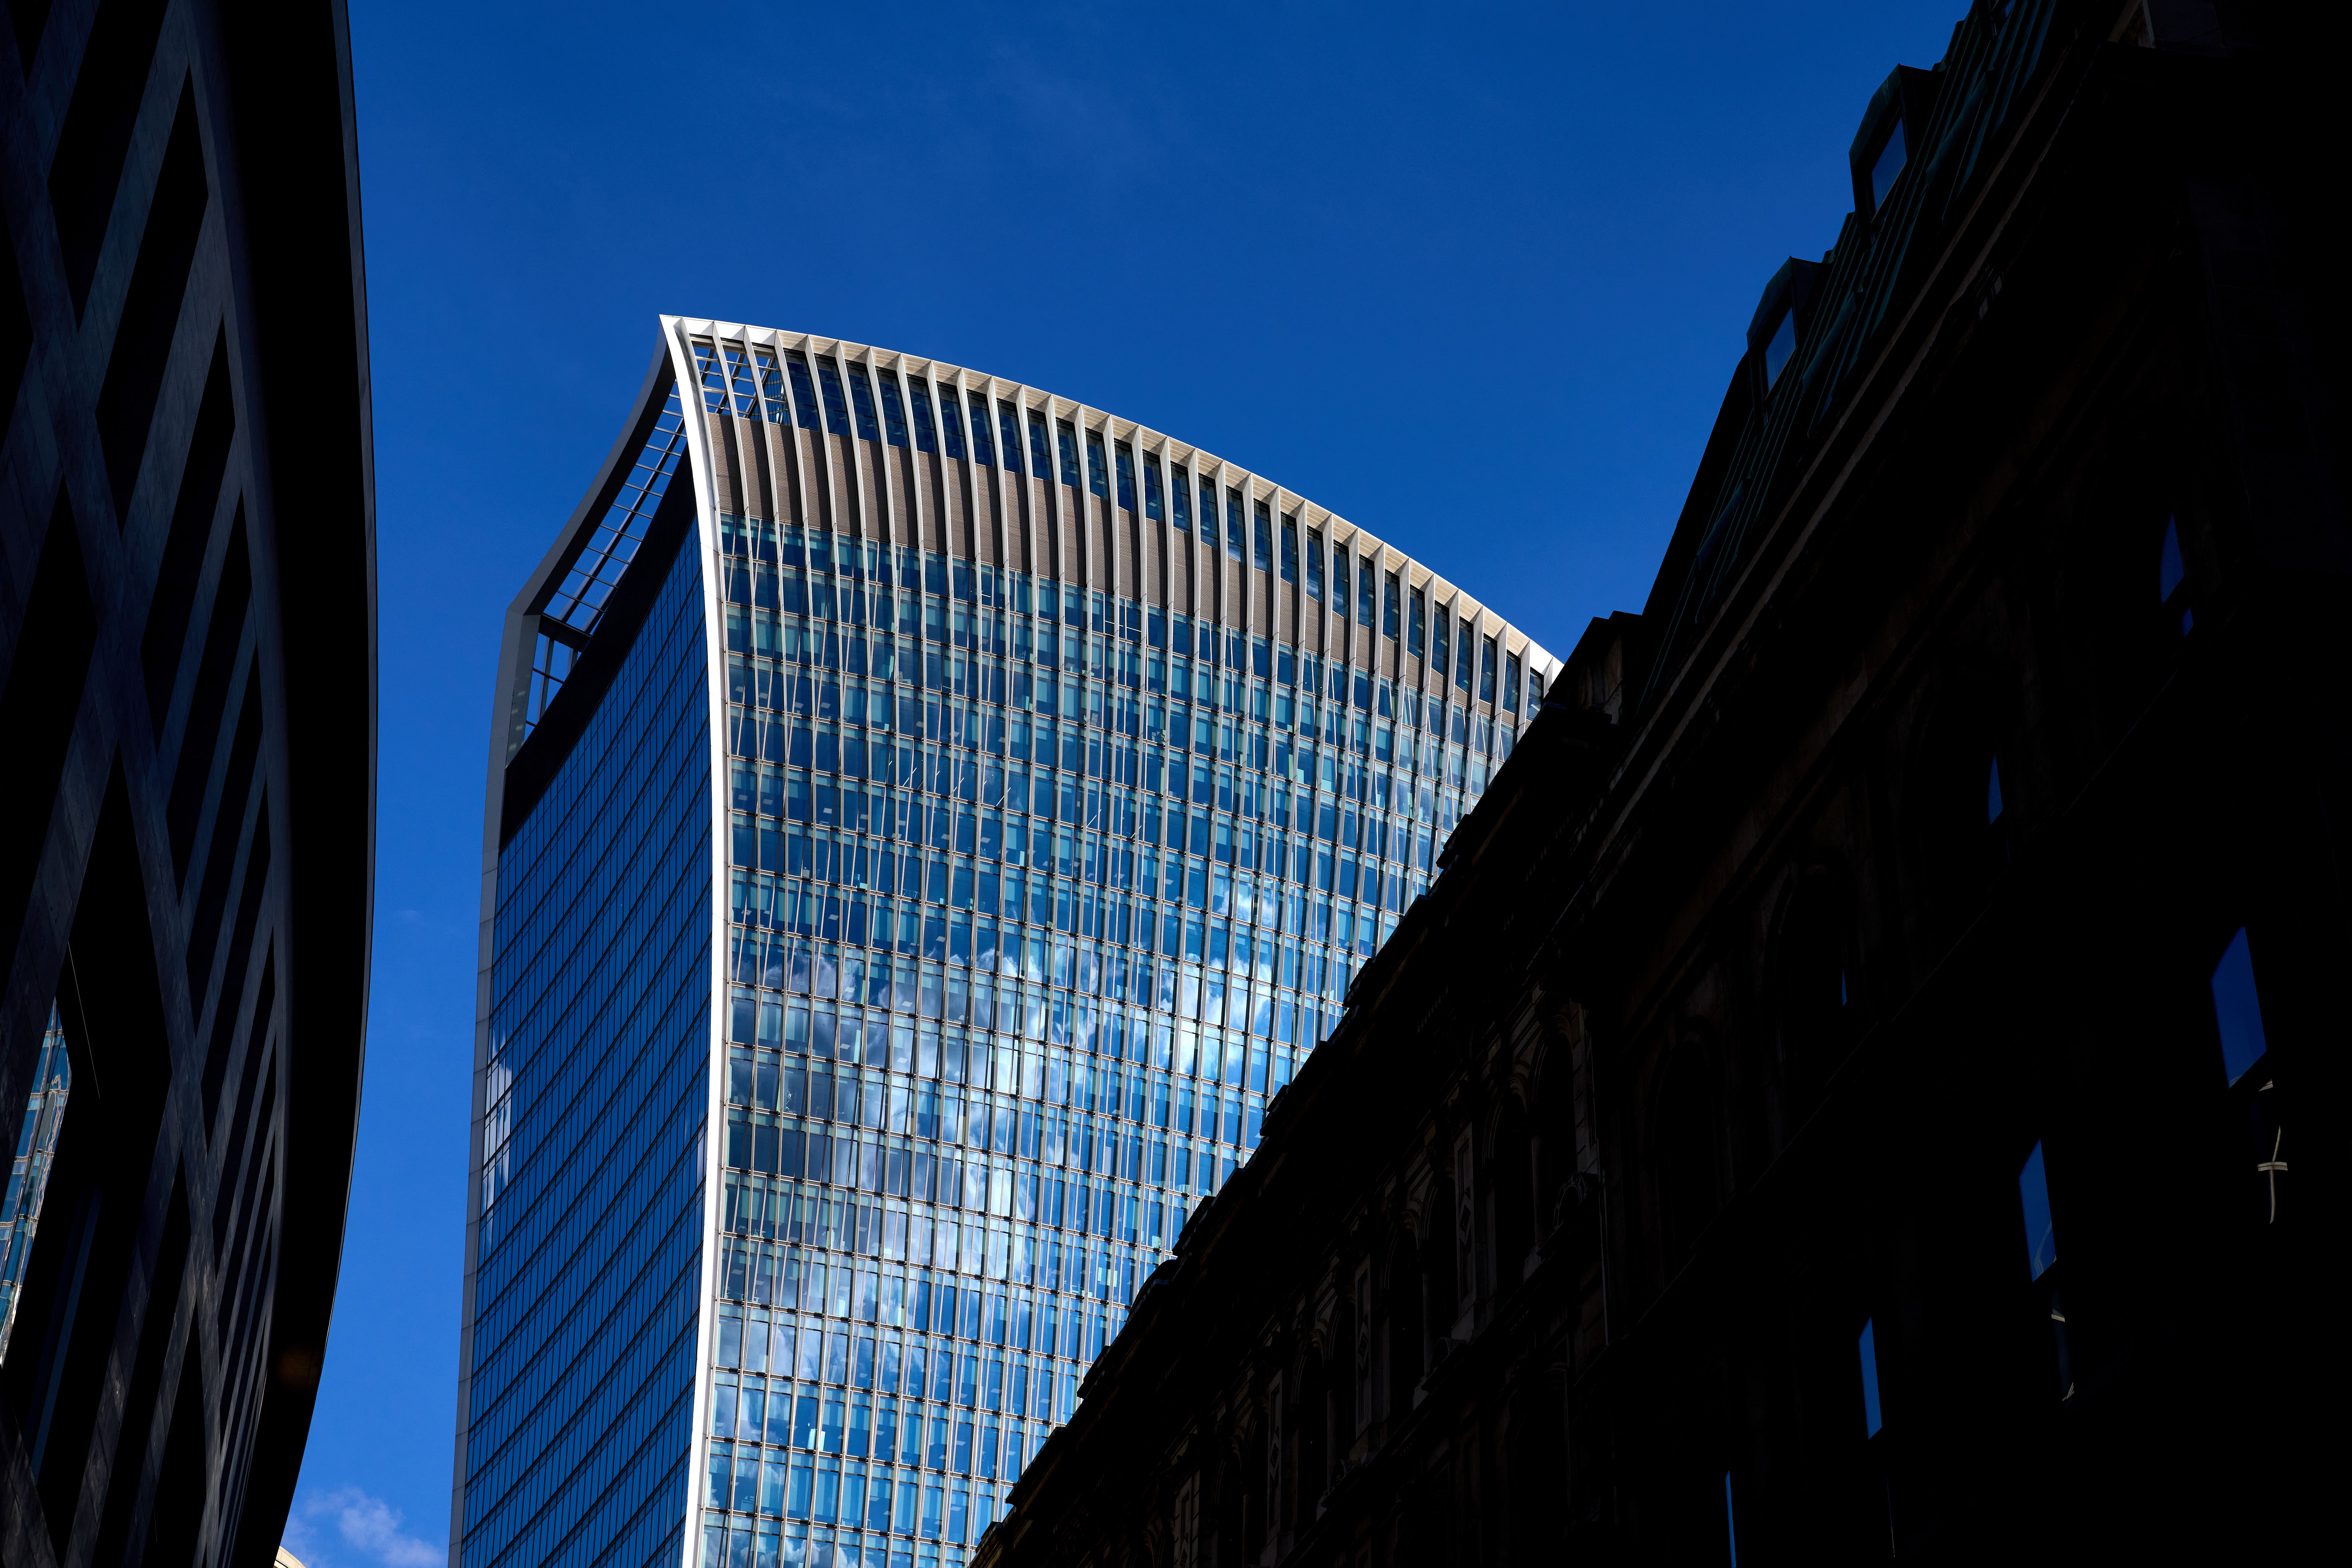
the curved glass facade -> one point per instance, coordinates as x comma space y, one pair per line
582, 1341
1068, 774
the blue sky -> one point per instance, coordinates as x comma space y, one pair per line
1473, 278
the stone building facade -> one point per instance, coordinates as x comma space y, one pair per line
1862, 1082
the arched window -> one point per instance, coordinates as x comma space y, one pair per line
2172, 579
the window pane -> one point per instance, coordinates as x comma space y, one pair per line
926, 438
894, 416
952, 421
2033, 1191
803, 392
1008, 428
861, 392
1041, 456
2238, 1009
837, 408
1777, 351
983, 450
1891, 159
1870, 1419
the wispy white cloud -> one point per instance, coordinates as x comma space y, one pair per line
368, 1525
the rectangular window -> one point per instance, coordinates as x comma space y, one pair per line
983, 450
1235, 544
1871, 1421
1290, 550
2041, 1238
1069, 434
1486, 670
1041, 451
1417, 631
836, 406
1462, 644
804, 392
1208, 515
1390, 595
1008, 430
894, 414
1180, 488
1511, 682
1097, 480
950, 421
1123, 457
1315, 564
1367, 575
861, 393
1262, 540
926, 438
1152, 499
1340, 558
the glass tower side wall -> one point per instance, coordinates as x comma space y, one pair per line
584, 1331
29, 1175
1036, 894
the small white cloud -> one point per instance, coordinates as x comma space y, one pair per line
368, 1524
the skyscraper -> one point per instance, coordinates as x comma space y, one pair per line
188, 763
927, 819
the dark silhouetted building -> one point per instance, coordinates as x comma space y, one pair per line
1868, 1078
188, 769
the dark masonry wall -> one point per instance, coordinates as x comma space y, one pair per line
1869, 1080
187, 732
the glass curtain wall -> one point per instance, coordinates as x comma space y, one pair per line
29, 1176
1035, 895
579, 1427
